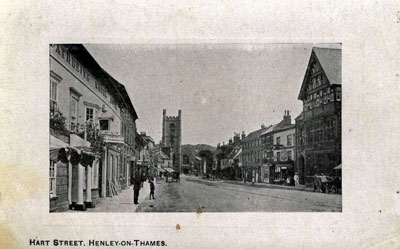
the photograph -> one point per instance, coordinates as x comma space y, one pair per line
195, 127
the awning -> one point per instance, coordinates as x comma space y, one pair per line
338, 167
286, 165
169, 170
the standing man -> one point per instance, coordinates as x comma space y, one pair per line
136, 187
151, 189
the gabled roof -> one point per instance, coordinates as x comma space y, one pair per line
330, 60
234, 152
238, 152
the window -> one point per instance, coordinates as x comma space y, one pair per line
289, 154
53, 94
278, 156
89, 114
52, 178
289, 140
172, 128
338, 96
104, 125
74, 113
278, 141
95, 174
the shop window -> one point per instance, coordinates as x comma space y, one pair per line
95, 175
53, 178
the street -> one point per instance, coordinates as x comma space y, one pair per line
192, 194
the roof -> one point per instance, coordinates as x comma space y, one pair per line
281, 126
300, 116
113, 85
330, 60
255, 134
269, 129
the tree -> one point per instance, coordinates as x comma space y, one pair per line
206, 154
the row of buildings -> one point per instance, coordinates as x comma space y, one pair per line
311, 145
95, 149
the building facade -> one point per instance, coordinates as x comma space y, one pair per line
172, 138
284, 149
279, 151
318, 127
85, 114
252, 155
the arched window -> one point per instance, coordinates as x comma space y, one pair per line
172, 128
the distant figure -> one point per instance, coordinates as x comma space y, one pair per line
296, 180
253, 179
152, 188
136, 187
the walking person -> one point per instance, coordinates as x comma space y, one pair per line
152, 188
136, 188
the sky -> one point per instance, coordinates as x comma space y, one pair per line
220, 88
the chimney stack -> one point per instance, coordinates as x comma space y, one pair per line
287, 119
262, 126
236, 137
243, 135
230, 141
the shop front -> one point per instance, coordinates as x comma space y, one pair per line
73, 171
282, 172
267, 173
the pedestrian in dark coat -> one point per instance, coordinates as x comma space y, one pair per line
152, 188
136, 188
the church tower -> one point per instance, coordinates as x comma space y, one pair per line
172, 138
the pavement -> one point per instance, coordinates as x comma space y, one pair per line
123, 202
